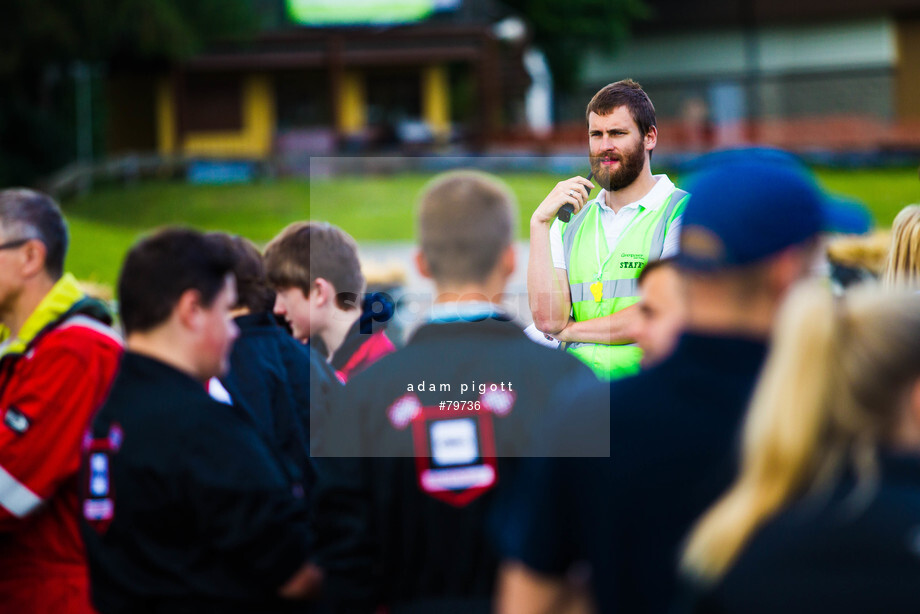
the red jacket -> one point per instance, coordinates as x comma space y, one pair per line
52, 379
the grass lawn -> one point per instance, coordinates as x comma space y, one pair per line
107, 221
883, 191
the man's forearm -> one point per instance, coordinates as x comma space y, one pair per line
547, 295
613, 329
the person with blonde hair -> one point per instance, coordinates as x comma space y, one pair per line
903, 264
825, 512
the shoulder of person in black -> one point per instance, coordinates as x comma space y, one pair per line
264, 347
300, 374
270, 375
475, 352
451, 353
672, 438
325, 399
487, 350
847, 551
695, 396
204, 511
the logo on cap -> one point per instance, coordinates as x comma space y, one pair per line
701, 243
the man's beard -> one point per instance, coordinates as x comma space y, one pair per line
630, 166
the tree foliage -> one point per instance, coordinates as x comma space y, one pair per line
41, 39
566, 29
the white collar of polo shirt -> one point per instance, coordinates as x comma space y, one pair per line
652, 200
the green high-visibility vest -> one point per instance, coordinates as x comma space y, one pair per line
603, 281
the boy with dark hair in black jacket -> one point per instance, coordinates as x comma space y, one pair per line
188, 507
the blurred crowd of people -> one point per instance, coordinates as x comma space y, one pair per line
713, 428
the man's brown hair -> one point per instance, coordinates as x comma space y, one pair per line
306, 251
626, 93
465, 220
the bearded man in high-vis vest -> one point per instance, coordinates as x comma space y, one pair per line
582, 275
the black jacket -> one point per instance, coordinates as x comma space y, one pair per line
407, 524
191, 510
270, 374
669, 437
838, 554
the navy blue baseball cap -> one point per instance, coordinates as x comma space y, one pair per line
746, 205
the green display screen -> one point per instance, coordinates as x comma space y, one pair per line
358, 12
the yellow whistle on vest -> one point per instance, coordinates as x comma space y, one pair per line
597, 290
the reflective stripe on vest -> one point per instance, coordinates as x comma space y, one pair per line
612, 288
654, 253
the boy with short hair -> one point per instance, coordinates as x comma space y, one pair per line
440, 422
315, 270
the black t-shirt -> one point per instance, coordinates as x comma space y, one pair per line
672, 445
407, 524
187, 508
840, 553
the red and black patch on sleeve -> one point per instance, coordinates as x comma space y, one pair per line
98, 488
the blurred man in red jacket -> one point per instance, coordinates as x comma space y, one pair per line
57, 359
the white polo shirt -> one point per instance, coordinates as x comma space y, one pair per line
615, 223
